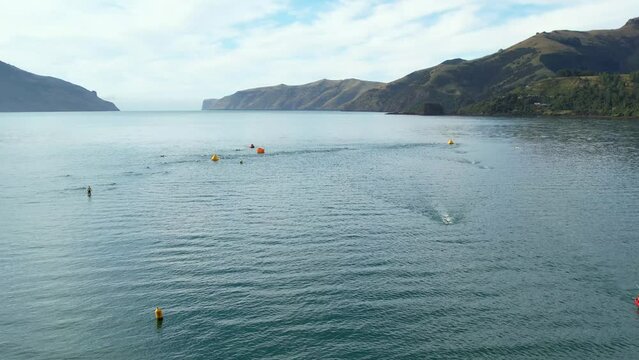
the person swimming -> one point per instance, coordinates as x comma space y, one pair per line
252, 146
89, 191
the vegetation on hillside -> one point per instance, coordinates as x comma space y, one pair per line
603, 95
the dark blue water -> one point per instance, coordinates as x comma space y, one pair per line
356, 236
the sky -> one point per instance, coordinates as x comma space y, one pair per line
172, 54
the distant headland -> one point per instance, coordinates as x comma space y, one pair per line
319, 95
22, 91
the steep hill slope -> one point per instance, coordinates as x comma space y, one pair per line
459, 83
24, 91
318, 95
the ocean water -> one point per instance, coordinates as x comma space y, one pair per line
357, 235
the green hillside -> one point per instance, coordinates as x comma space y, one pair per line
458, 84
602, 95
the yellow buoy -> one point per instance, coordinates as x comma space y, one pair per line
214, 157
451, 142
159, 314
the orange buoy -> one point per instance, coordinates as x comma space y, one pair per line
159, 314
260, 150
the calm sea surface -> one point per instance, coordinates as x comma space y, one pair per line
357, 235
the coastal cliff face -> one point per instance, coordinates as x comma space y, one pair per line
318, 95
23, 91
457, 84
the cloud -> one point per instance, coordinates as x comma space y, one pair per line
170, 54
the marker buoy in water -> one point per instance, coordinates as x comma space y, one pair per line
451, 142
159, 314
260, 150
214, 157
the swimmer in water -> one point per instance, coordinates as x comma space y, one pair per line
89, 191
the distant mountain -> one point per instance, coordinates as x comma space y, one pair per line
318, 95
458, 84
24, 91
